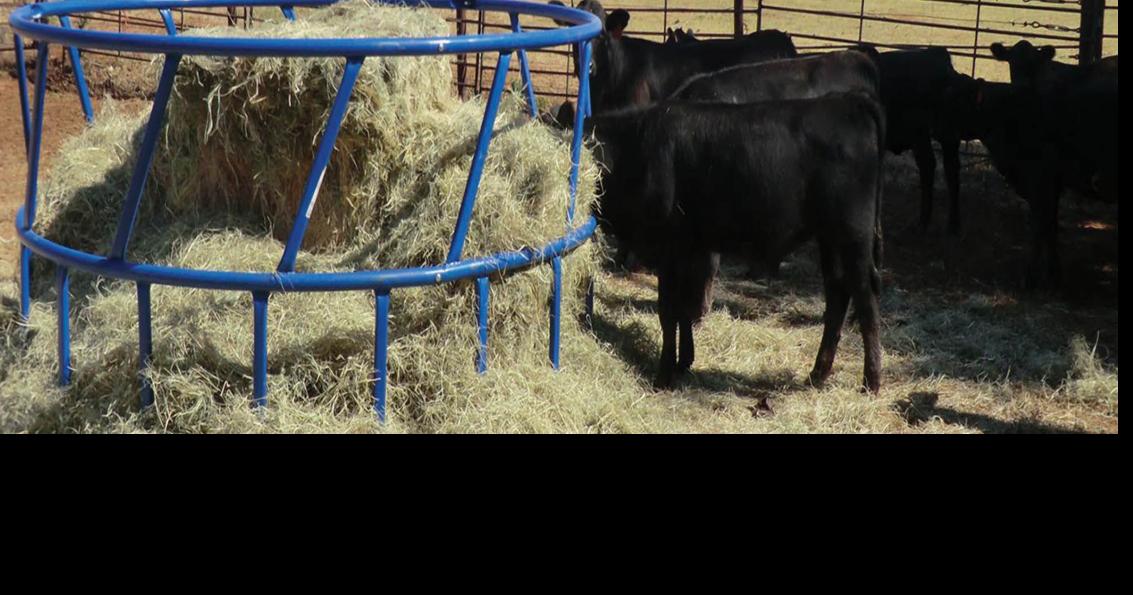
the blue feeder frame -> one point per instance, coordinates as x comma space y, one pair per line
34, 22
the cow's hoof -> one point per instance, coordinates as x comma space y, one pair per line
818, 378
683, 368
663, 381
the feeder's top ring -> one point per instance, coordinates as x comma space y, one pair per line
31, 21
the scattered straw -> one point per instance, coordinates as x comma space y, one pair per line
224, 188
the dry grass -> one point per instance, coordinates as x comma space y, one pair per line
964, 350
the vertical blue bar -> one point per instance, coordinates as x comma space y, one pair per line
80, 77
259, 348
288, 11
63, 311
524, 70
319, 168
556, 309
381, 351
32, 187
145, 343
22, 76
576, 138
129, 215
25, 283
584, 96
167, 18
478, 159
482, 288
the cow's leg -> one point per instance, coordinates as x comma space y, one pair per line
687, 350
1043, 265
622, 255
1054, 262
864, 284
926, 166
837, 300
950, 149
697, 273
668, 288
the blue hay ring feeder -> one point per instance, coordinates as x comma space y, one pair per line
49, 23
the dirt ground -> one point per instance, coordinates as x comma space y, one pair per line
966, 349
63, 119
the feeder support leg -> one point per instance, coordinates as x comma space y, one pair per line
260, 348
556, 309
482, 289
381, 352
145, 343
63, 336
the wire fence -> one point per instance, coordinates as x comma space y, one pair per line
965, 27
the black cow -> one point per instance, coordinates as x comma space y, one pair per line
1080, 104
1054, 128
688, 180
679, 35
1007, 120
912, 84
627, 71
796, 78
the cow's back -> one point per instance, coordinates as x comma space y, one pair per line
670, 65
914, 78
797, 78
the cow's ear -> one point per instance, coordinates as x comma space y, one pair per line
616, 22
1046, 53
1000, 52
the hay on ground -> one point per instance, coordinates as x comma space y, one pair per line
224, 187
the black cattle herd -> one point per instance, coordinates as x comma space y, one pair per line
744, 146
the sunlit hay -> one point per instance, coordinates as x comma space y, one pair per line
242, 134
1089, 381
951, 365
81, 195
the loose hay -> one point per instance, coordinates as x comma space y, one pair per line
223, 191
224, 188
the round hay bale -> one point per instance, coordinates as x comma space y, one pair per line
239, 139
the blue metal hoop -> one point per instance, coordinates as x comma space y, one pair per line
32, 22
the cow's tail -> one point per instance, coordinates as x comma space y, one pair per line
878, 249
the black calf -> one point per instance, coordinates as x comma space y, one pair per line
687, 180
